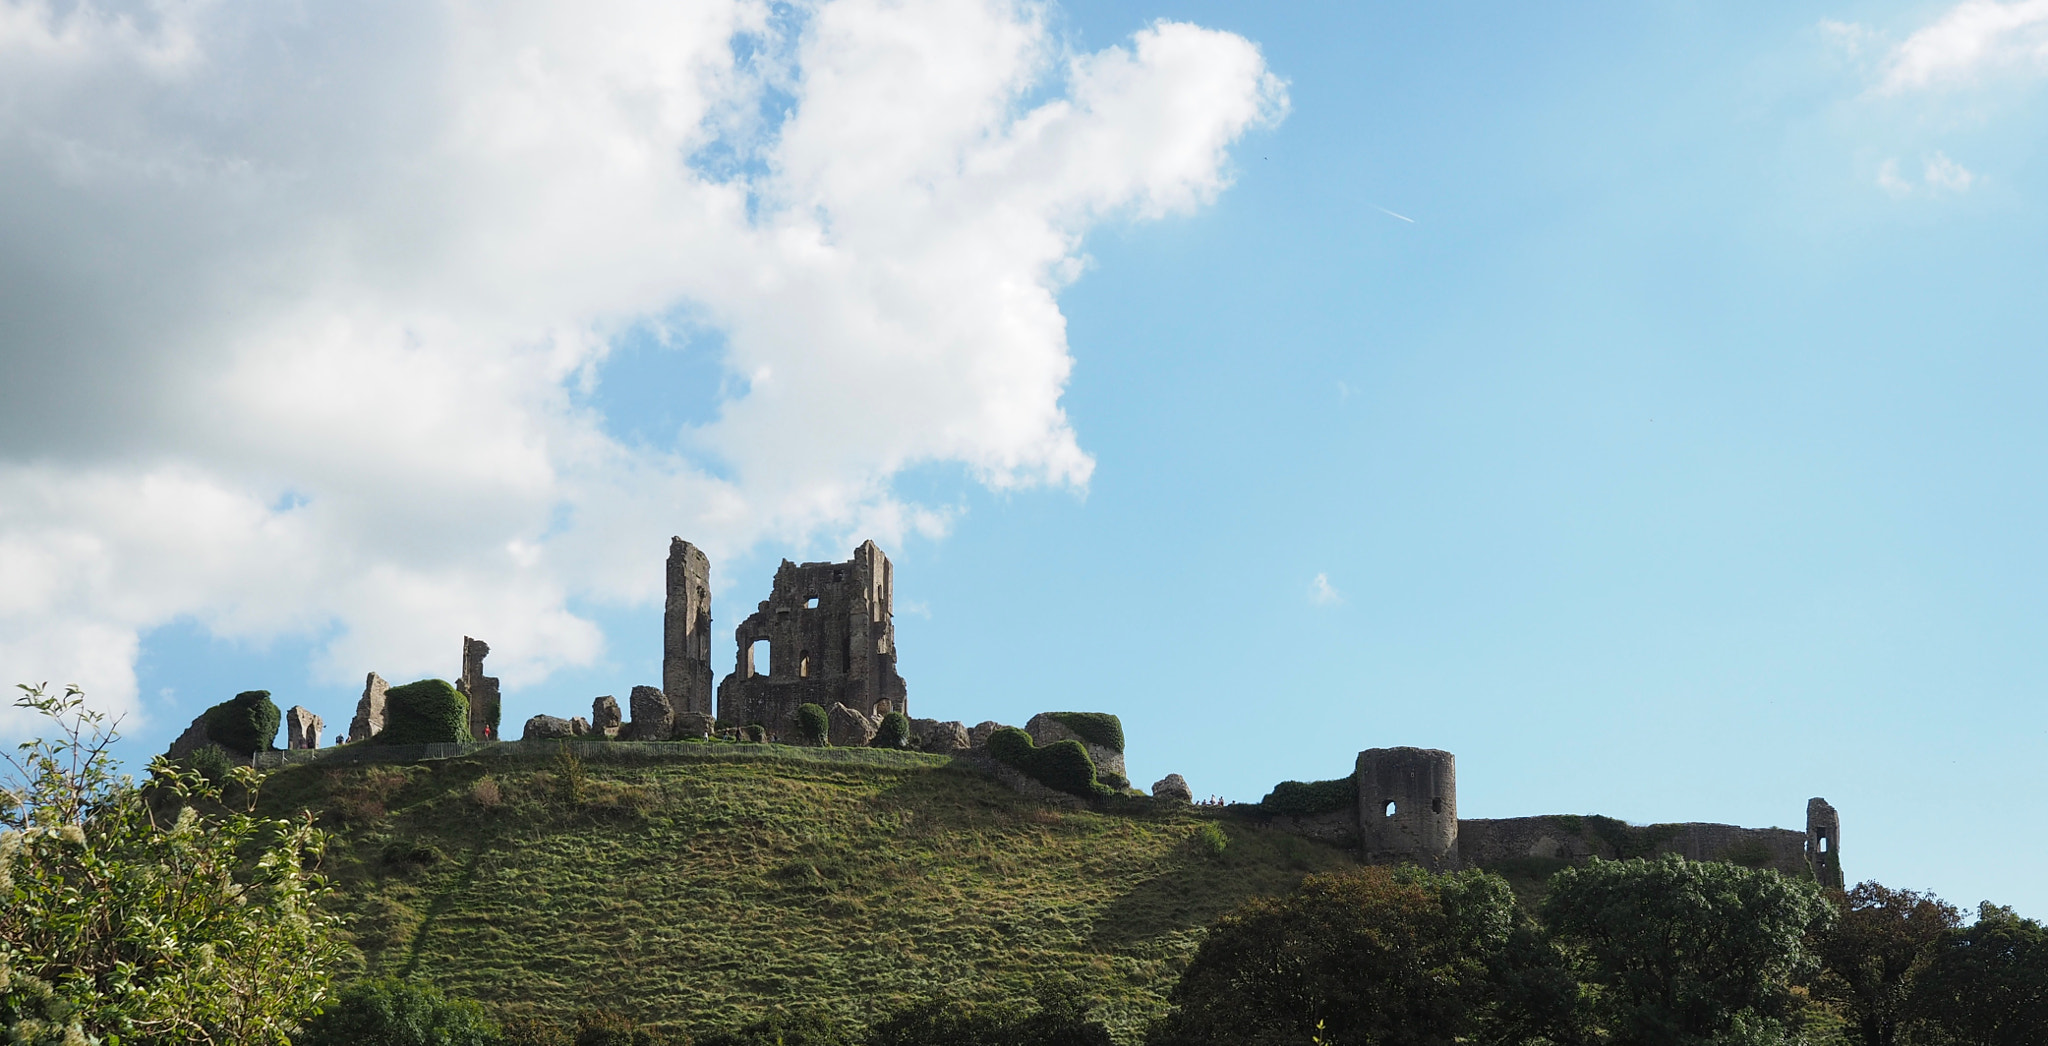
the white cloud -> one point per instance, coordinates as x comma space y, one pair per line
1938, 174
1889, 180
1850, 37
1322, 593
295, 299
1944, 173
1973, 37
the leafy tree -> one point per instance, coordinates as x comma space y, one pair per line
804, 1029
1681, 952
393, 1012
1988, 984
128, 915
1881, 942
1378, 955
1060, 1018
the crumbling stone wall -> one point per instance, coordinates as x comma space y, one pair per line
1407, 811
1823, 844
1484, 841
482, 690
369, 718
831, 639
686, 629
302, 728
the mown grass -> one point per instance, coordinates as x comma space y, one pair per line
706, 892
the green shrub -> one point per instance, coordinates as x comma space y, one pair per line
813, 723
528, 1030
1063, 765
1060, 1019
244, 724
1209, 840
803, 1029
608, 1028
127, 907
894, 732
211, 761
757, 733
393, 1012
428, 712
1310, 798
1096, 728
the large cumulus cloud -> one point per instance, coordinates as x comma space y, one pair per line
296, 301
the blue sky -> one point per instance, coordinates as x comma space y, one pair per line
1672, 451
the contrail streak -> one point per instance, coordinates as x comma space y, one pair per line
1391, 214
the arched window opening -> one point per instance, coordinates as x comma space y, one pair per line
1436, 805
1823, 844
803, 665
758, 658
1391, 808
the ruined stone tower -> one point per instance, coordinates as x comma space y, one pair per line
825, 634
686, 629
482, 690
1408, 806
1824, 842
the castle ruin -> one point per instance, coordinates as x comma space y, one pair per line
686, 629
482, 690
1406, 810
825, 635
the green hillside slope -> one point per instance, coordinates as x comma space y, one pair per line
707, 890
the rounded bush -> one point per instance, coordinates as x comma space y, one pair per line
813, 723
1096, 728
1065, 765
212, 762
894, 732
757, 733
1310, 798
428, 712
1011, 747
1062, 765
393, 1012
244, 724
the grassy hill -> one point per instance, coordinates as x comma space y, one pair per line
730, 881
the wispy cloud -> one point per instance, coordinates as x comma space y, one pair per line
1944, 173
1888, 179
1850, 37
1973, 37
1938, 174
1322, 593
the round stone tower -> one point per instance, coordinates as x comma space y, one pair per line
1408, 806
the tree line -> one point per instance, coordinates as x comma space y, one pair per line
169, 912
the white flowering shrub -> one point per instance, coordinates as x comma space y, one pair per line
151, 914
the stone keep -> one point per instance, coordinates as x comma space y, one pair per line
369, 719
1408, 806
1824, 842
686, 629
482, 690
825, 635
302, 728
